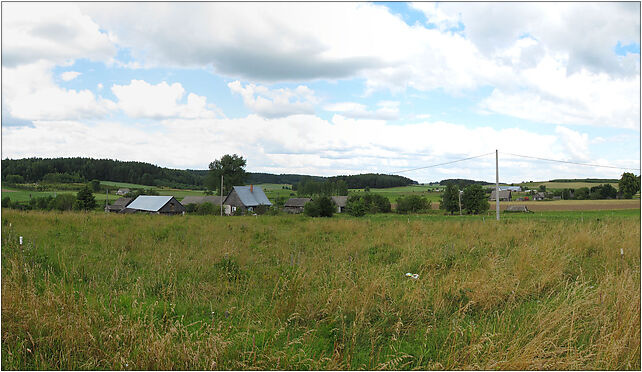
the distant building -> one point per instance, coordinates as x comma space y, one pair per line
504, 195
247, 198
539, 196
341, 202
295, 205
118, 205
155, 204
510, 188
517, 208
123, 191
213, 199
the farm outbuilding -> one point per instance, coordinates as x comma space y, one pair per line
517, 208
539, 196
122, 191
295, 205
247, 199
341, 202
504, 195
212, 199
118, 205
155, 204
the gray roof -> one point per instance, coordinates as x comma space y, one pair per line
252, 198
149, 203
214, 199
511, 188
340, 201
502, 194
123, 202
296, 202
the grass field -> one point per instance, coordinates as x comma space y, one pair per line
551, 290
564, 185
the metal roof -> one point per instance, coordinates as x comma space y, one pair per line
149, 203
252, 198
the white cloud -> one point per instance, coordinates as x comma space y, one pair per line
55, 32
29, 93
277, 102
139, 99
70, 75
307, 144
387, 110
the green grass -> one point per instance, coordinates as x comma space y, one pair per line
563, 185
537, 291
125, 185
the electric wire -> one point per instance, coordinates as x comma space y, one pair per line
571, 162
437, 165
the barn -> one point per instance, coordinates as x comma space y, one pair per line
504, 195
247, 199
295, 205
155, 205
118, 205
341, 202
517, 208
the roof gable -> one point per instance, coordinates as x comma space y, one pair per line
149, 203
252, 198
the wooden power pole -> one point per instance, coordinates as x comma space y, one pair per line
497, 183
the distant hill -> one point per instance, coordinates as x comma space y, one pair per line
63, 170
588, 180
462, 182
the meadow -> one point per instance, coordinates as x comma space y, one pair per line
552, 290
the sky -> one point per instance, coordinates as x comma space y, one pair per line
328, 88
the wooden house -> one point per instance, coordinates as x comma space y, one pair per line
341, 202
295, 205
504, 195
118, 205
122, 191
247, 199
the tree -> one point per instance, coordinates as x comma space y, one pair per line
322, 206
542, 188
629, 185
95, 185
450, 199
412, 204
474, 200
85, 199
232, 168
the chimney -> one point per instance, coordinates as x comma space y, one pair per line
251, 188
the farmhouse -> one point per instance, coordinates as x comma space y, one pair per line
155, 204
340, 201
295, 205
539, 196
503, 195
118, 205
247, 198
122, 191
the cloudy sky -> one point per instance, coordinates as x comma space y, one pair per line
327, 88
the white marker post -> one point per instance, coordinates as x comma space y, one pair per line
21, 240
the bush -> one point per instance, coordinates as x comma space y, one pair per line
191, 207
359, 205
320, 207
412, 204
14, 178
206, 208
62, 202
6, 202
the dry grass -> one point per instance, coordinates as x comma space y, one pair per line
94, 291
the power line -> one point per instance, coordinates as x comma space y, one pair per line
571, 162
437, 165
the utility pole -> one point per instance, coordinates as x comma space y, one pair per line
459, 193
497, 183
221, 195
106, 198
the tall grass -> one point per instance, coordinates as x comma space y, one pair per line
95, 291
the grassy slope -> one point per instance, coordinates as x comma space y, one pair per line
96, 291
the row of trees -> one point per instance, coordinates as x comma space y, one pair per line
84, 200
310, 188
62, 170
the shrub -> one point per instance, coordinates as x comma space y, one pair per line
359, 205
6, 202
206, 208
191, 207
85, 199
62, 202
15, 178
412, 204
320, 207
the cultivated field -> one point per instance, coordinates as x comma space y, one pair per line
98, 291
